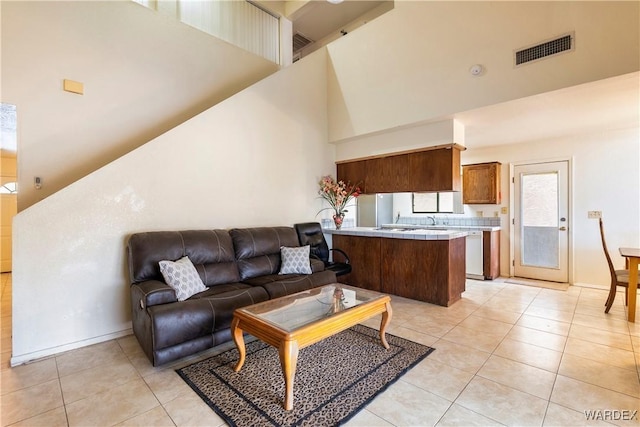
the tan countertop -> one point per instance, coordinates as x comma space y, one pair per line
401, 232
446, 227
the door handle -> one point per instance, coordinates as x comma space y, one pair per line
563, 228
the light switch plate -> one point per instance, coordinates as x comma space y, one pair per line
594, 214
73, 87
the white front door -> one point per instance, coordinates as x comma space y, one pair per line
541, 221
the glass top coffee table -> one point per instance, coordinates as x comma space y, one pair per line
296, 321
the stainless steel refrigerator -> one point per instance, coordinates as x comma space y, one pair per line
374, 210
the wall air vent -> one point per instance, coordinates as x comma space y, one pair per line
300, 41
558, 45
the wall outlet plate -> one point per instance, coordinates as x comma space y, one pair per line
594, 214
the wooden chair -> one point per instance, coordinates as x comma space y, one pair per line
618, 277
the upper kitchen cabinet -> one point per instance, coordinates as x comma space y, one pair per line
481, 184
435, 170
432, 169
387, 174
353, 172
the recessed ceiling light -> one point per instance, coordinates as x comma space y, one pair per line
335, 1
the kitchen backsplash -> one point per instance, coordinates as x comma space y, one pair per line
464, 221
441, 220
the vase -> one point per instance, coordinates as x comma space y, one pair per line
338, 302
337, 220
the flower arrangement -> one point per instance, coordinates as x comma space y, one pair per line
338, 194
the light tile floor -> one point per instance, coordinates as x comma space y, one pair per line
505, 355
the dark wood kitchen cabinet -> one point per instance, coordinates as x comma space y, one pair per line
426, 270
481, 184
491, 254
374, 176
364, 253
353, 172
387, 174
435, 170
432, 169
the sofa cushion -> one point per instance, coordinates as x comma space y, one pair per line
182, 276
295, 260
281, 285
226, 289
200, 315
257, 250
210, 251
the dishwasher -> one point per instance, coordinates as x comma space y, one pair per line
474, 267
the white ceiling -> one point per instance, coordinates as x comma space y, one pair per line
603, 105
607, 104
318, 19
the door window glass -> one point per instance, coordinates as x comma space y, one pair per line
540, 220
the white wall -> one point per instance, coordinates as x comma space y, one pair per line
605, 177
140, 80
605, 168
401, 139
255, 158
252, 160
412, 64
143, 73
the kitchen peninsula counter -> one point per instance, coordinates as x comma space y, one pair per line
400, 232
422, 264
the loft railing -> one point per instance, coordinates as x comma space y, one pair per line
238, 22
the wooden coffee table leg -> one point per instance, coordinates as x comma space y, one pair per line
238, 338
288, 352
386, 318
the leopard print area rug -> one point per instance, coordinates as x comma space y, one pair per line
334, 379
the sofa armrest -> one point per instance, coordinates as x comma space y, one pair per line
151, 292
316, 264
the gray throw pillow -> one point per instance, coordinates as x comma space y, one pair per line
183, 277
295, 260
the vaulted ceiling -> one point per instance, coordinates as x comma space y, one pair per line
608, 104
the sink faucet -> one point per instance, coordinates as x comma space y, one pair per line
432, 218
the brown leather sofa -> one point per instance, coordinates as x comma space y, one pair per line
239, 267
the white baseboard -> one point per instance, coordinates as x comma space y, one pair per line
49, 352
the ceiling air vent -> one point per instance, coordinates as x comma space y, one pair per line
561, 44
300, 41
